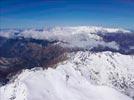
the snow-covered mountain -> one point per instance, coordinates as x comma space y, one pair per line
67, 63
84, 76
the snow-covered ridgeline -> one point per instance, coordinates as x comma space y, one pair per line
107, 68
84, 76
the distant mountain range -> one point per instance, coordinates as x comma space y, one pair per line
101, 56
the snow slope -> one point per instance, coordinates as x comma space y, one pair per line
84, 76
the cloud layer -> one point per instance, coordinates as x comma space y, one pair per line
86, 37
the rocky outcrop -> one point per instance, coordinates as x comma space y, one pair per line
18, 54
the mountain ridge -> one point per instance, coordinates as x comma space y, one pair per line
80, 70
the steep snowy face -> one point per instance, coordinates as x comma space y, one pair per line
84, 76
107, 68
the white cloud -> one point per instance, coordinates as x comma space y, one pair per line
80, 36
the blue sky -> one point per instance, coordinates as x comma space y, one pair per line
41, 13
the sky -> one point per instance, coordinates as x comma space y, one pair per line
42, 13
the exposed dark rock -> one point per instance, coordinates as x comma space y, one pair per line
17, 54
124, 40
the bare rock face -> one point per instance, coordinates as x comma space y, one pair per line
18, 54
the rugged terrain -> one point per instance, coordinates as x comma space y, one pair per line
67, 63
